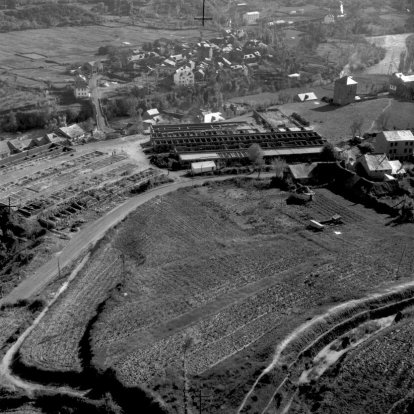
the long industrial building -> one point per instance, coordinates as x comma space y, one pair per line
231, 140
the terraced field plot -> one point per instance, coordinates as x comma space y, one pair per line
373, 378
213, 278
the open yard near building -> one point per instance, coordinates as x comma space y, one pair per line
194, 290
63, 190
333, 122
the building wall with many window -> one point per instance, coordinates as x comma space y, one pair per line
395, 144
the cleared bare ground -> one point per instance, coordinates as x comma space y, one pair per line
225, 272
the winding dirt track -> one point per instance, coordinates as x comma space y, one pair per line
304, 327
6, 376
89, 235
94, 232
394, 45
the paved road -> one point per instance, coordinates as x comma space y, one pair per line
88, 236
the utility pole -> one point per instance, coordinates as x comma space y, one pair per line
401, 258
203, 18
123, 268
200, 400
10, 206
58, 262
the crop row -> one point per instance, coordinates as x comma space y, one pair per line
234, 327
214, 337
168, 293
10, 322
183, 283
380, 369
54, 344
185, 226
326, 206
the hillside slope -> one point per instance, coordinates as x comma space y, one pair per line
45, 16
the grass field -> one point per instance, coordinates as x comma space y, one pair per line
71, 44
224, 271
62, 46
333, 122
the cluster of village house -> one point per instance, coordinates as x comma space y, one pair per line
187, 64
65, 135
391, 149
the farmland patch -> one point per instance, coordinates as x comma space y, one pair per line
211, 279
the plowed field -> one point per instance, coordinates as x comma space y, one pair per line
210, 280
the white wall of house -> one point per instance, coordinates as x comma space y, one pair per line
82, 93
251, 17
401, 149
184, 77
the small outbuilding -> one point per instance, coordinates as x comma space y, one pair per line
309, 96
73, 132
202, 167
302, 173
150, 114
213, 117
397, 168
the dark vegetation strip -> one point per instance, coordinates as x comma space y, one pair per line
99, 383
308, 344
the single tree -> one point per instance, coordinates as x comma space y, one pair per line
279, 166
356, 126
366, 148
329, 153
12, 124
255, 154
382, 121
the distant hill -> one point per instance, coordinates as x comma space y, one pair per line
45, 16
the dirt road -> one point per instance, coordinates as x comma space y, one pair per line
88, 236
394, 45
6, 376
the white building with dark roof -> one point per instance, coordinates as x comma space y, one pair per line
396, 144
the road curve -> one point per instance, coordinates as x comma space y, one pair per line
88, 236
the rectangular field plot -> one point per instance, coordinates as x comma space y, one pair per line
228, 267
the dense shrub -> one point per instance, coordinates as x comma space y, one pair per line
44, 16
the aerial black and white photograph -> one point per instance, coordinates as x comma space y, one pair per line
207, 206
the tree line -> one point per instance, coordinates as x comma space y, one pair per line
48, 117
46, 15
